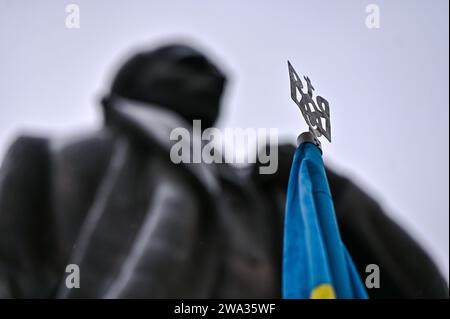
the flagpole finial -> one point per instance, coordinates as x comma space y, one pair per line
315, 112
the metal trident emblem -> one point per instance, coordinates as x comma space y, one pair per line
316, 113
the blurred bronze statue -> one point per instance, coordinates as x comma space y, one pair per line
140, 226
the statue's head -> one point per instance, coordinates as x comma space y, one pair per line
177, 77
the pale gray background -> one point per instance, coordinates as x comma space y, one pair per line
388, 87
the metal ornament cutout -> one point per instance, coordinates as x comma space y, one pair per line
316, 113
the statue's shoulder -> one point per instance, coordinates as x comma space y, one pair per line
25, 149
80, 152
90, 141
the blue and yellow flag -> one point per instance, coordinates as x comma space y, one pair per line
316, 263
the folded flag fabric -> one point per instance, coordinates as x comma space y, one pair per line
316, 263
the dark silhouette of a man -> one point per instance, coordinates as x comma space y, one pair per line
138, 225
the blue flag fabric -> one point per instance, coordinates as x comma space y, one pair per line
316, 263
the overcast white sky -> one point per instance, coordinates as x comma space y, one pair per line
387, 87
